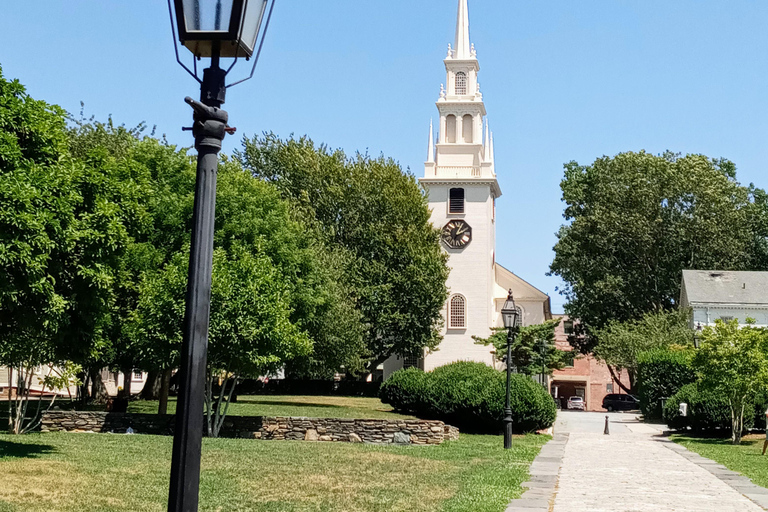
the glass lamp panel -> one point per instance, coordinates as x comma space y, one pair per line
207, 15
253, 15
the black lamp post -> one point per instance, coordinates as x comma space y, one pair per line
511, 319
211, 29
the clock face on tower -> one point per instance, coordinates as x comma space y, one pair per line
456, 234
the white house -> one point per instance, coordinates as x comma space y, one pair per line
460, 179
725, 295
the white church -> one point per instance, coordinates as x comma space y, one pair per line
460, 180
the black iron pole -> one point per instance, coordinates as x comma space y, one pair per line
508, 406
209, 127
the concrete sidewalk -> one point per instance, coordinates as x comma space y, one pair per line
634, 469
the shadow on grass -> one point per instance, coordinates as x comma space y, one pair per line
10, 449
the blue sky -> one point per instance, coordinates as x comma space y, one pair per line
562, 81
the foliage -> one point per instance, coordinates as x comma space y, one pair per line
621, 342
471, 396
533, 348
708, 411
661, 372
376, 216
733, 362
636, 220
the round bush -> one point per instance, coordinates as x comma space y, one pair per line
470, 396
707, 411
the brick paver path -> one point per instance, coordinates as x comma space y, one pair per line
631, 471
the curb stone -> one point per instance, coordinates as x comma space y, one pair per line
740, 483
542, 483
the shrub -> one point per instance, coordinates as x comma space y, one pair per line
707, 411
471, 396
660, 374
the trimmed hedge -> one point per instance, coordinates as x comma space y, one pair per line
660, 374
707, 411
470, 396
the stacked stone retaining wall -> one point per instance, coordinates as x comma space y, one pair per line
405, 431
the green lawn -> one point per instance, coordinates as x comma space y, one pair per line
106, 472
285, 405
745, 458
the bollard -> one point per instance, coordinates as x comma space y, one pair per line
606, 432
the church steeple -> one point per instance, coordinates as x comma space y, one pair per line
462, 48
462, 150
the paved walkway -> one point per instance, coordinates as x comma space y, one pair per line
633, 469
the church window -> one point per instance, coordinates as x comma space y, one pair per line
450, 128
468, 121
461, 83
456, 200
457, 312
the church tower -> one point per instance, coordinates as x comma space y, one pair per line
460, 179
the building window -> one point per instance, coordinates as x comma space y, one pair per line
410, 362
456, 200
609, 387
457, 312
726, 318
461, 83
137, 375
450, 128
568, 326
519, 316
468, 121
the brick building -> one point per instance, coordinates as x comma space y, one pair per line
586, 377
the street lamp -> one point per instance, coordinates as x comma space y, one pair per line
510, 315
697, 335
209, 29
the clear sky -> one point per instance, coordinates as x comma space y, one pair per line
562, 80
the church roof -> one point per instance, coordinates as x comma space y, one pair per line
724, 287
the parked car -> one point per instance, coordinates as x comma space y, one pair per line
619, 402
576, 402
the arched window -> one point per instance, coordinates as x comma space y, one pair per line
457, 312
461, 83
450, 128
456, 200
519, 316
468, 121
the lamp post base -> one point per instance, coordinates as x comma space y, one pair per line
507, 429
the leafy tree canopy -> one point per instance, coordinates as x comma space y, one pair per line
533, 349
378, 219
636, 220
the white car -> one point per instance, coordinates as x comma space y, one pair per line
576, 402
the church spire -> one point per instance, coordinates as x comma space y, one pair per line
462, 48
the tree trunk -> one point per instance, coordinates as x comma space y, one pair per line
617, 379
165, 384
10, 399
99, 393
127, 378
151, 389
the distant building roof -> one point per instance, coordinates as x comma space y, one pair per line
724, 287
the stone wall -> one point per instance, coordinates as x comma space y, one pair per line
422, 432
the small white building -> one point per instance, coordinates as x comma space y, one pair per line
460, 180
725, 295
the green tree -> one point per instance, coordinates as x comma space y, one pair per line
620, 343
733, 362
636, 220
533, 350
378, 218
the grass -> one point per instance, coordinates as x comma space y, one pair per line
285, 405
105, 473
745, 458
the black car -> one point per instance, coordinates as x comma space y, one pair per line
617, 402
